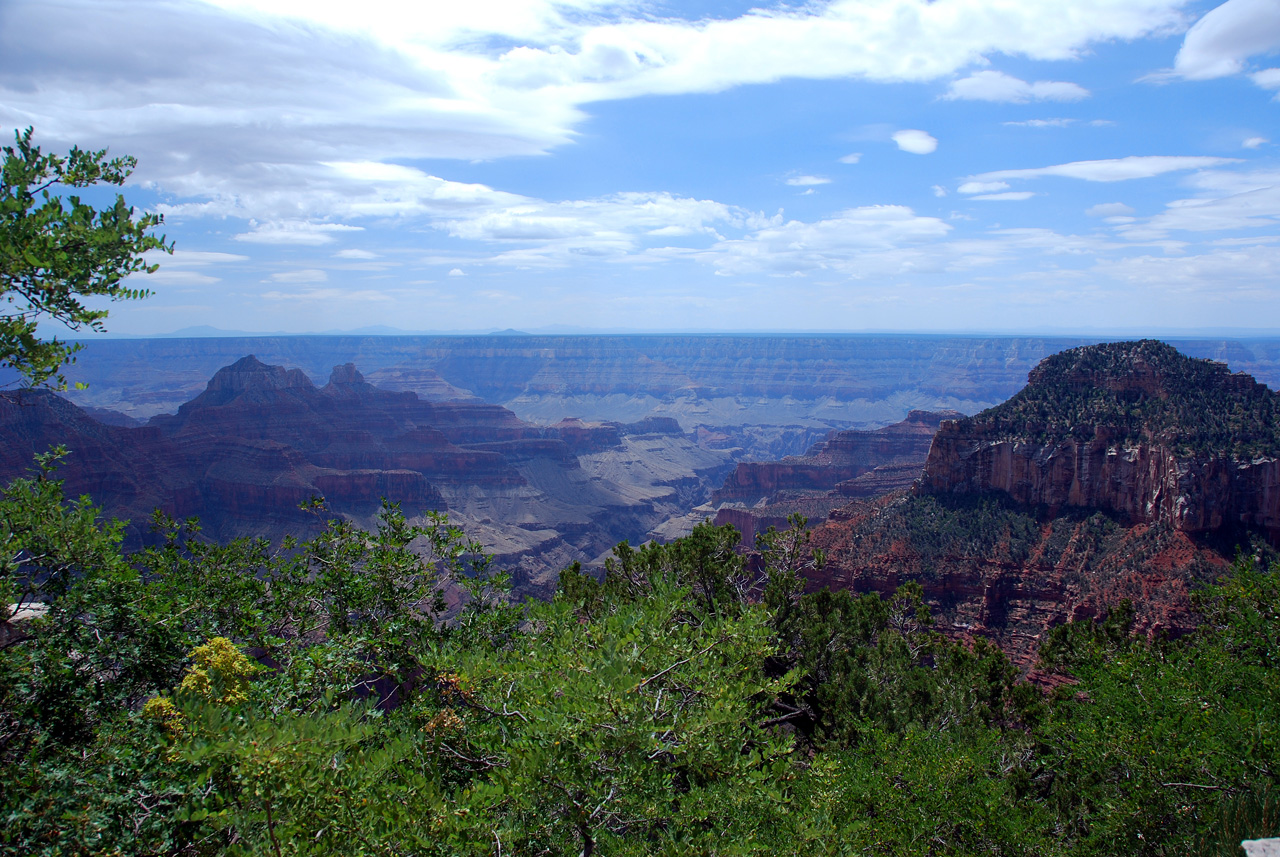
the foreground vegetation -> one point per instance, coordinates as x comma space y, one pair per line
201, 699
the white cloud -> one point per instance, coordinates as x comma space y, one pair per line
1254, 268
991, 85
858, 240
1109, 209
250, 109
193, 258
1254, 142
294, 232
175, 267
308, 275
177, 277
562, 233
1268, 78
1042, 123
982, 187
339, 297
807, 181
1112, 169
915, 141
1229, 201
355, 254
1011, 196
457, 272
851, 158
1222, 41
939, 191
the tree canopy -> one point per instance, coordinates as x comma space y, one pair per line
55, 252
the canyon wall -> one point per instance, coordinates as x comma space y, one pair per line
1121, 471
1143, 483
845, 455
760, 398
848, 464
1136, 429
261, 440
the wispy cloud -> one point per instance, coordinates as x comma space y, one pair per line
1109, 209
1111, 169
294, 232
808, 181
997, 86
307, 275
1041, 123
982, 187
1009, 196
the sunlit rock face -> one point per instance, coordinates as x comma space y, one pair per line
899, 449
1142, 431
1124, 471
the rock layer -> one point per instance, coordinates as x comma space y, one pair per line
841, 458
848, 464
1123, 471
1132, 458
260, 440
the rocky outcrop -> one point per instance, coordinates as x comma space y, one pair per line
1122, 471
848, 464
1168, 441
759, 398
992, 568
1144, 483
839, 460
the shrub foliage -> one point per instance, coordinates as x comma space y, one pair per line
321, 698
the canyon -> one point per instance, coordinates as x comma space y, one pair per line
848, 464
762, 397
260, 441
550, 450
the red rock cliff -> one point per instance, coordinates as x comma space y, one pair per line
1144, 483
1146, 433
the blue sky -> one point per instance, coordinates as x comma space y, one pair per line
960, 165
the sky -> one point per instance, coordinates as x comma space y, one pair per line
661, 165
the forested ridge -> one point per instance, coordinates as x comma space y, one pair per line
1143, 391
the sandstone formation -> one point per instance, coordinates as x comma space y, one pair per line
1121, 471
991, 568
844, 456
848, 464
759, 398
1132, 457
756, 397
